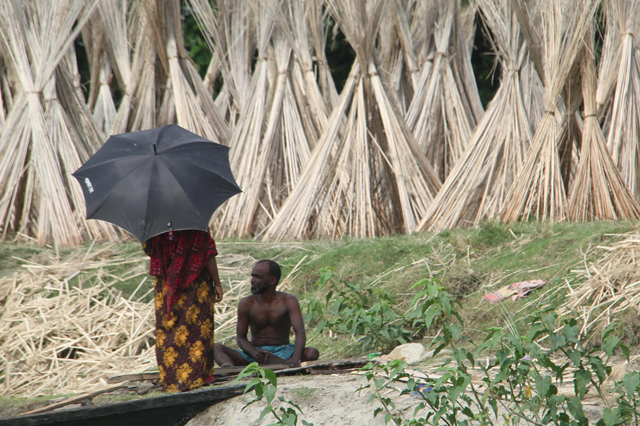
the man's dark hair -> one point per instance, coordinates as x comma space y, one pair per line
274, 268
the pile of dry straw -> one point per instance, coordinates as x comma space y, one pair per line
611, 286
65, 328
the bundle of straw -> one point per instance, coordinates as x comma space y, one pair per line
445, 111
211, 28
317, 24
31, 173
104, 112
240, 36
133, 61
625, 116
294, 214
476, 187
372, 180
539, 189
186, 100
283, 151
598, 191
248, 154
609, 62
107, 23
295, 18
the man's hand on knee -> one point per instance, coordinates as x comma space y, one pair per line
262, 356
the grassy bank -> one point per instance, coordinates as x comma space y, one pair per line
370, 280
469, 263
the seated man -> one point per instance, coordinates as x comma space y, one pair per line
270, 315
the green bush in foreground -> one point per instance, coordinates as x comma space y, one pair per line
265, 385
519, 382
367, 314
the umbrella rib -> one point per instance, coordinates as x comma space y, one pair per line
190, 145
193, 165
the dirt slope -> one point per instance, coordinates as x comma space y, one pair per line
325, 400
331, 400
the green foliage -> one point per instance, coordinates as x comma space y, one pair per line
520, 385
265, 386
194, 42
372, 315
430, 306
355, 310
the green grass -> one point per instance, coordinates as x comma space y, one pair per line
10, 255
463, 259
469, 262
10, 407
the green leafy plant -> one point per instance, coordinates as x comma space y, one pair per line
434, 306
351, 309
519, 382
265, 386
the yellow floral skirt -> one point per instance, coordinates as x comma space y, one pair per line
184, 340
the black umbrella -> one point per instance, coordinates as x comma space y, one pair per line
153, 181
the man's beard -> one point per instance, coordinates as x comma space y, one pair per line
259, 290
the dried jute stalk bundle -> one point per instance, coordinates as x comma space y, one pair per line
185, 99
539, 188
133, 61
477, 186
317, 24
41, 143
312, 85
227, 32
64, 328
625, 116
231, 32
250, 153
372, 179
611, 286
598, 191
446, 106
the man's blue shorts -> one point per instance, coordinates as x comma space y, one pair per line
283, 351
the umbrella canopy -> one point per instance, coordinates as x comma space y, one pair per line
153, 181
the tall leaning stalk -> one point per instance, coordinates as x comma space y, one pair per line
625, 116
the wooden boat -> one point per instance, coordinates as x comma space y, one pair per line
167, 410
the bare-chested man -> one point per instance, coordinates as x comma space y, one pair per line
270, 315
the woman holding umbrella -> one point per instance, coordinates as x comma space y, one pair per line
186, 287
162, 185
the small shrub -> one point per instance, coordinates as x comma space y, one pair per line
265, 386
367, 314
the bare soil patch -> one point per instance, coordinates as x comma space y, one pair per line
331, 400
